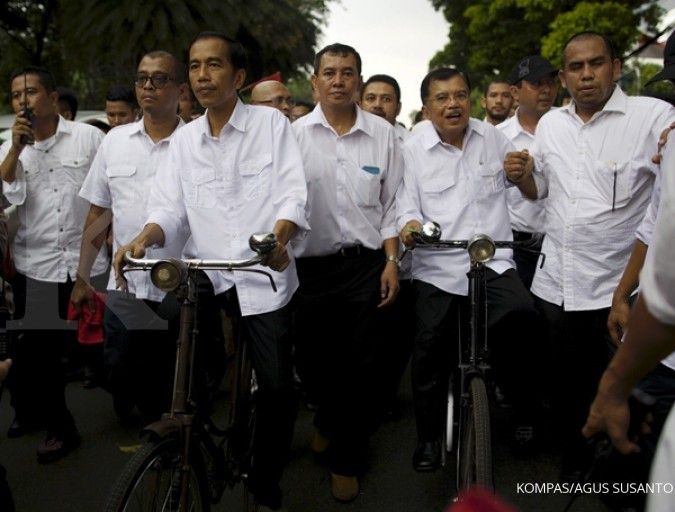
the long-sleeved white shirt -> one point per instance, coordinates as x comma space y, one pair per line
51, 214
598, 179
464, 191
120, 179
351, 182
526, 215
228, 187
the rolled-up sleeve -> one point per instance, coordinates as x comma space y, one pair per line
15, 192
166, 206
289, 178
390, 186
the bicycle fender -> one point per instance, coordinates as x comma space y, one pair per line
162, 428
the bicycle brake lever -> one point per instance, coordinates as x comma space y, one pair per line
257, 271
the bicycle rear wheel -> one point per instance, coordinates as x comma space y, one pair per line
474, 458
150, 481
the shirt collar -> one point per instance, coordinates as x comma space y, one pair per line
237, 120
362, 123
616, 103
138, 128
64, 126
430, 136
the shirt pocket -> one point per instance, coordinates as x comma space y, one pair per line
256, 175
367, 186
200, 187
123, 186
490, 180
437, 192
74, 170
613, 181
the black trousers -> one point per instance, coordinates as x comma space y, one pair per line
37, 379
526, 261
512, 342
580, 348
140, 351
269, 344
337, 328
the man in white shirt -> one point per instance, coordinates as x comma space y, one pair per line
454, 176
650, 337
139, 351
43, 167
232, 172
347, 265
593, 164
497, 102
381, 95
534, 85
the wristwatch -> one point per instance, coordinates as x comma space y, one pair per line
391, 257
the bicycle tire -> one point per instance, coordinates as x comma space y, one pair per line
474, 461
148, 481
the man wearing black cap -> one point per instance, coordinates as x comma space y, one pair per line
534, 85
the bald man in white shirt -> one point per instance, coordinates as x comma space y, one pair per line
593, 164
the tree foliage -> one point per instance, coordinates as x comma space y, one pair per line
487, 37
89, 45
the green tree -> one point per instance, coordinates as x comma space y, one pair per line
487, 37
93, 44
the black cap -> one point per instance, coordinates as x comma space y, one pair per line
668, 71
532, 69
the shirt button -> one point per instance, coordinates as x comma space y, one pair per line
56, 190
61, 229
64, 249
51, 170
58, 210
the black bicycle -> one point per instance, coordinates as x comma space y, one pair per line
472, 429
187, 461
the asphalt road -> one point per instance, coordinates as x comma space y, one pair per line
81, 481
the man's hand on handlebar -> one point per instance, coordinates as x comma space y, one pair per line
413, 226
278, 259
137, 250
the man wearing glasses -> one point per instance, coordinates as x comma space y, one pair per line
273, 94
138, 350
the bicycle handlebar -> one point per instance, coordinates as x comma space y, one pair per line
191, 264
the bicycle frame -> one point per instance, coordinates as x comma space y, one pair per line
178, 277
472, 362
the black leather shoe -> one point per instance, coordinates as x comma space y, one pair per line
427, 456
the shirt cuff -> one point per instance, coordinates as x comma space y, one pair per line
294, 214
95, 199
388, 232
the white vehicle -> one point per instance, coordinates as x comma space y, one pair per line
84, 116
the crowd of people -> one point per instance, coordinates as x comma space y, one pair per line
343, 186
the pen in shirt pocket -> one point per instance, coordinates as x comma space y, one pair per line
614, 189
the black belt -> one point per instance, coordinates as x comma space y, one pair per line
519, 236
355, 251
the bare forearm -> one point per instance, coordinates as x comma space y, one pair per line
631, 274
93, 236
528, 187
9, 164
152, 234
390, 246
284, 230
646, 343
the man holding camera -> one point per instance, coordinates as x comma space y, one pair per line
42, 169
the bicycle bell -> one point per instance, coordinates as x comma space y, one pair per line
481, 248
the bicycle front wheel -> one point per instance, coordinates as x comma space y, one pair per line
474, 458
151, 481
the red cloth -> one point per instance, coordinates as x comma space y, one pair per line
479, 500
90, 325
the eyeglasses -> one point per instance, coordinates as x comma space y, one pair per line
278, 101
157, 80
444, 99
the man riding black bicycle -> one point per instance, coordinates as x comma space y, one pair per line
454, 176
235, 171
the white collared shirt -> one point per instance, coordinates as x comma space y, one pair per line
120, 179
526, 215
464, 191
51, 215
402, 133
351, 182
227, 188
598, 178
